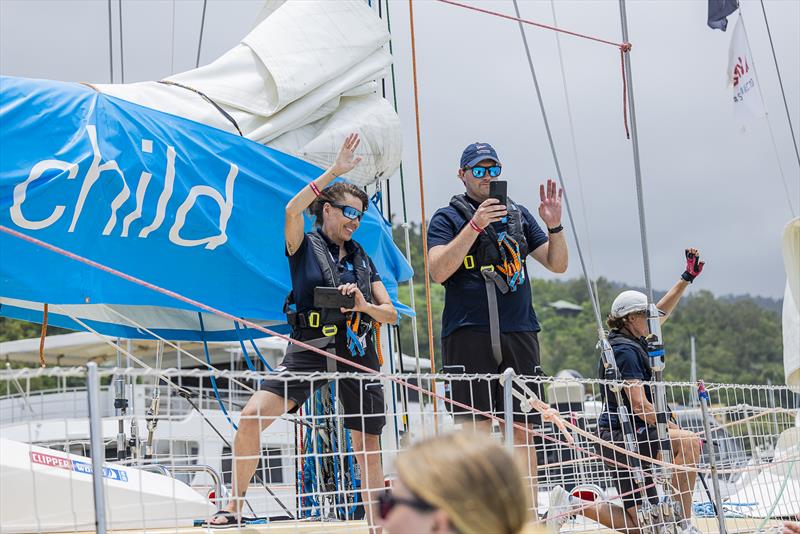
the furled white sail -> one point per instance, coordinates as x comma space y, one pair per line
791, 304
300, 81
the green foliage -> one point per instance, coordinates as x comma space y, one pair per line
738, 340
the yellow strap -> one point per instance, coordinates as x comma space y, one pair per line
313, 319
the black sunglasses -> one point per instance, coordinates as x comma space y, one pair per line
387, 502
349, 211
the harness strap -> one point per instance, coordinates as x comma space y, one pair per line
492, 280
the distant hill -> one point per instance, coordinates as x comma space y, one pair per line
738, 338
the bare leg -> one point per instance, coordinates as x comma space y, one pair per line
368, 455
260, 411
525, 453
686, 448
613, 517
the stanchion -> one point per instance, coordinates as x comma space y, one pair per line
508, 406
96, 446
704, 405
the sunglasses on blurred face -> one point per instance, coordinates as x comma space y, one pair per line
387, 502
479, 172
349, 211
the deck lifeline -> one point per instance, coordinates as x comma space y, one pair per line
709, 525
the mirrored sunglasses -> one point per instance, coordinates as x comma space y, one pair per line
480, 172
349, 211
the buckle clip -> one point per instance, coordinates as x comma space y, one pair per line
330, 330
487, 268
469, 262
313, 319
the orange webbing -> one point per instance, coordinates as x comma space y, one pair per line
377, 326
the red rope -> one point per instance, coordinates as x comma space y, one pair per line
624, 48
533, 23
42, 337
351, 363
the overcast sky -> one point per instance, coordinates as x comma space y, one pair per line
707, 182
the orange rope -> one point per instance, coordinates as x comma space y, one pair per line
41, 338
424, 227
377, 326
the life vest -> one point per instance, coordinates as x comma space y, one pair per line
329, 321
617, 339
505, 251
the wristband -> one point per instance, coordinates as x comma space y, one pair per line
689, 277
555, 230
314, 188
475, 226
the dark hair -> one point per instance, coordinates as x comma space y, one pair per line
335, 194
615, 323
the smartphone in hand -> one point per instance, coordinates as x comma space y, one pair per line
499, 189
331, 297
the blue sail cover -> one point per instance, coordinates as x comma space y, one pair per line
173, 202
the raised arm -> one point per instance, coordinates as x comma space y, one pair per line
446, 259
345, 162
693, 269
552, 255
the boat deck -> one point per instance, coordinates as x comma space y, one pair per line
709, 525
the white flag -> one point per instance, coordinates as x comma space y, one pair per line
747, 99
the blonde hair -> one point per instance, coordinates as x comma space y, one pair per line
470, 477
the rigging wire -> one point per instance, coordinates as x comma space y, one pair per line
172, 45
110, 46
202, 27
592, 296
780, 82
574, 145
405, 225
424, 227
121, 51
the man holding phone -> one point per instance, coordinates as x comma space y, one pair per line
478, 246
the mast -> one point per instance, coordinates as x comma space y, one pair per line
655, 340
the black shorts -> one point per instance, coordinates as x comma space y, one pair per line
470, 351
647, 444
361, 399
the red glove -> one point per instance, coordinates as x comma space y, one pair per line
693, 265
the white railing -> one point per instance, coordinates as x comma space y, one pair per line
307, 470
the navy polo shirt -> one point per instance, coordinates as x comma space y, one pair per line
306, 274
465, 302
631, 367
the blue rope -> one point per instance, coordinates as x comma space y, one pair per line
258, 352
247, 360
213, 378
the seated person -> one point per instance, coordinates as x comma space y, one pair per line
628, 329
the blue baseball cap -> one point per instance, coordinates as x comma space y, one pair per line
478, 152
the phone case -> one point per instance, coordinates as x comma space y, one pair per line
331, 297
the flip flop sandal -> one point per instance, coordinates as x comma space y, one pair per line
230, 521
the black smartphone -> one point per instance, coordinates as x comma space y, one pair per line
331, 297
499, 189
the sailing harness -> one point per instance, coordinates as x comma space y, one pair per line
323, 325
500, 257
